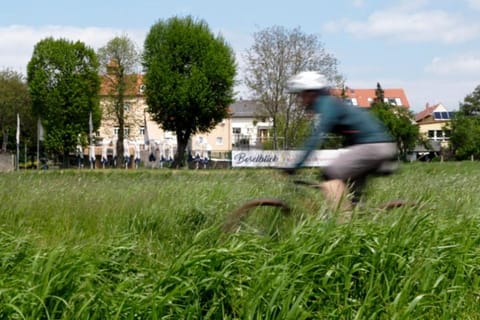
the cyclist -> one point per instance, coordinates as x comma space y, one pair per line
370, 148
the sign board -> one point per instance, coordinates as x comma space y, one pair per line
282, 158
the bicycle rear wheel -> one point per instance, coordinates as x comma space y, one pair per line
257, 216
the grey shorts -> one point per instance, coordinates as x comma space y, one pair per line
360, 160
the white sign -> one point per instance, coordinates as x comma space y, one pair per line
282, 158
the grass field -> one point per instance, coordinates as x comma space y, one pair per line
146, 244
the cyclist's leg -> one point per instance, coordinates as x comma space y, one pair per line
357, 187
336, 193
355, 165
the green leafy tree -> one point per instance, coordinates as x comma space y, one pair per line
64, 84
399, 121
14, 98
471, 103
189, 78
465, 128
118, 60
277, 54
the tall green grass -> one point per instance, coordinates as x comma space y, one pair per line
146, 244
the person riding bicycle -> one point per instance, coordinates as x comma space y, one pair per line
369, 146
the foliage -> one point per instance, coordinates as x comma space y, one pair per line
465, 127
471, 103
189, 78
118, 59
294, 133
64, 84
379, 95
399, 121
276, 55
14, 98
73, 247
298, 131
465, 136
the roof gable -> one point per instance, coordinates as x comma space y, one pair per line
135, 87
245, 109
429, 110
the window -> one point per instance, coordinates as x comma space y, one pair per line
219, 141
443, 115
142, 131
439, 134
354, 101
201, 140
446, 134
237, 130
126, 107
431, 133
142, 88
126, 131
391, 101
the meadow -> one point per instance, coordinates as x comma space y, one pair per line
147, 244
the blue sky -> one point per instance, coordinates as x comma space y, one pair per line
430, 48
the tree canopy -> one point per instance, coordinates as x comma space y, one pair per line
277, 54
189, 78
465, 127
14, 98
118, 60
64, 83
471, 104
399, 121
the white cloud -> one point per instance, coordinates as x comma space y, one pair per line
17, 42
461, 65
358, 3
409, 23
474, 4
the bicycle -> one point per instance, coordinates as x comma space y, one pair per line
260, 208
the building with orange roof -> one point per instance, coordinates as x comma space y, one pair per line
433, 123
363, 98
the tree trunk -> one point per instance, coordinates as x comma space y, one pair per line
5, 141
275, 134
182, 141
121, 138
65, 160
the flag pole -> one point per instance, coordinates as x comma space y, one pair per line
38, 144
18, 143
90, 132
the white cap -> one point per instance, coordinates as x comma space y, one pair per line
306, 80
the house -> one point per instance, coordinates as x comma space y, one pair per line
250, 124
140, 131
363, 98
214, 144
433, 123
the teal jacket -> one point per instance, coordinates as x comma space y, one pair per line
357, 125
